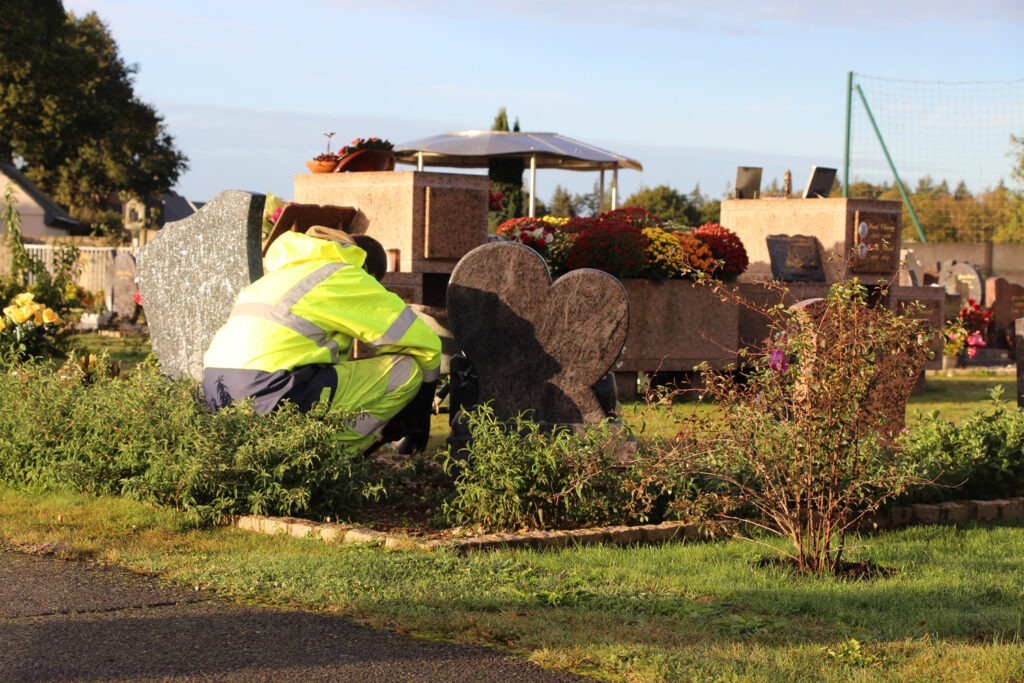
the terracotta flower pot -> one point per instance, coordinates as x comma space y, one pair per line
370, 159
315, 166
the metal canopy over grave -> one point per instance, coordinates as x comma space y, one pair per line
472, 149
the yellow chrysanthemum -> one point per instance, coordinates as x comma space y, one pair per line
18, 315
664, 253
555, 220
23, 298
9, 310
3, 324
49, 317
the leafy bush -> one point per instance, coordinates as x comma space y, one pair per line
30, 274
149, 439
793, 440
519, 475
982, 457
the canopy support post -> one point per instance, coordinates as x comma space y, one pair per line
600, 193
419, 161
615, 188
533, 181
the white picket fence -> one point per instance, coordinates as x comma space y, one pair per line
93, 263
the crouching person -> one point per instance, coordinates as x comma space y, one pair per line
290, 333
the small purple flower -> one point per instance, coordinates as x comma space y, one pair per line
778, 361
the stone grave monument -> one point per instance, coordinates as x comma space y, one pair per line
856, 237
121, 288
191, 272
425, 221
1006, 300
962, 280
536, 345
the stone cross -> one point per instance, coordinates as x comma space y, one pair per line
190, 274
121, 287
537, 346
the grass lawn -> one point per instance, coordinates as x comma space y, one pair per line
954, 611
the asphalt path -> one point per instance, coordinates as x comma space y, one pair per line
64, 620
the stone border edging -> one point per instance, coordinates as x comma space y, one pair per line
891, 518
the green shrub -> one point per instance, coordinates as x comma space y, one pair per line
519, 475
792, 444
150, 439
982, 457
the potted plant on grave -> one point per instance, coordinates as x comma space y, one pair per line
326, 162
366, 154
966, 334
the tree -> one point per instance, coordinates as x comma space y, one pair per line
69, 113
563, 203
710, 210
506, 175
666, 203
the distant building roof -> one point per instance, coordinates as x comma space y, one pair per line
177, 207
53, 215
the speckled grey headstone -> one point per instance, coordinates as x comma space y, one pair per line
536, 345
122, 287
190, 274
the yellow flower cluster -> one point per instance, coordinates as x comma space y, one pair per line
672, 254
23, 309
556, 221
664, 253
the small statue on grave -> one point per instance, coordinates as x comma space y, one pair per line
787, 184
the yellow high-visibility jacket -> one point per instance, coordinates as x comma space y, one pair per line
290, 332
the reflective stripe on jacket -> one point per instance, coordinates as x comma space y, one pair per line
313, 301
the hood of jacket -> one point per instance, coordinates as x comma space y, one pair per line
293, 248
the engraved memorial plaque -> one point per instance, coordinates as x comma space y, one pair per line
795, 258
876, 242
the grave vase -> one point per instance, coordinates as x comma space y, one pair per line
369, 159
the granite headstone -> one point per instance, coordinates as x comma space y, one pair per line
963, 279
121, 287
795, 258
1006, 300
883, 405
190, 274
1018, 333
537, 346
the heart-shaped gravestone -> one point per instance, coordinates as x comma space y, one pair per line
537, 346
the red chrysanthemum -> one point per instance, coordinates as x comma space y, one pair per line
726, 247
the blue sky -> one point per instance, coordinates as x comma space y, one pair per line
690, 89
